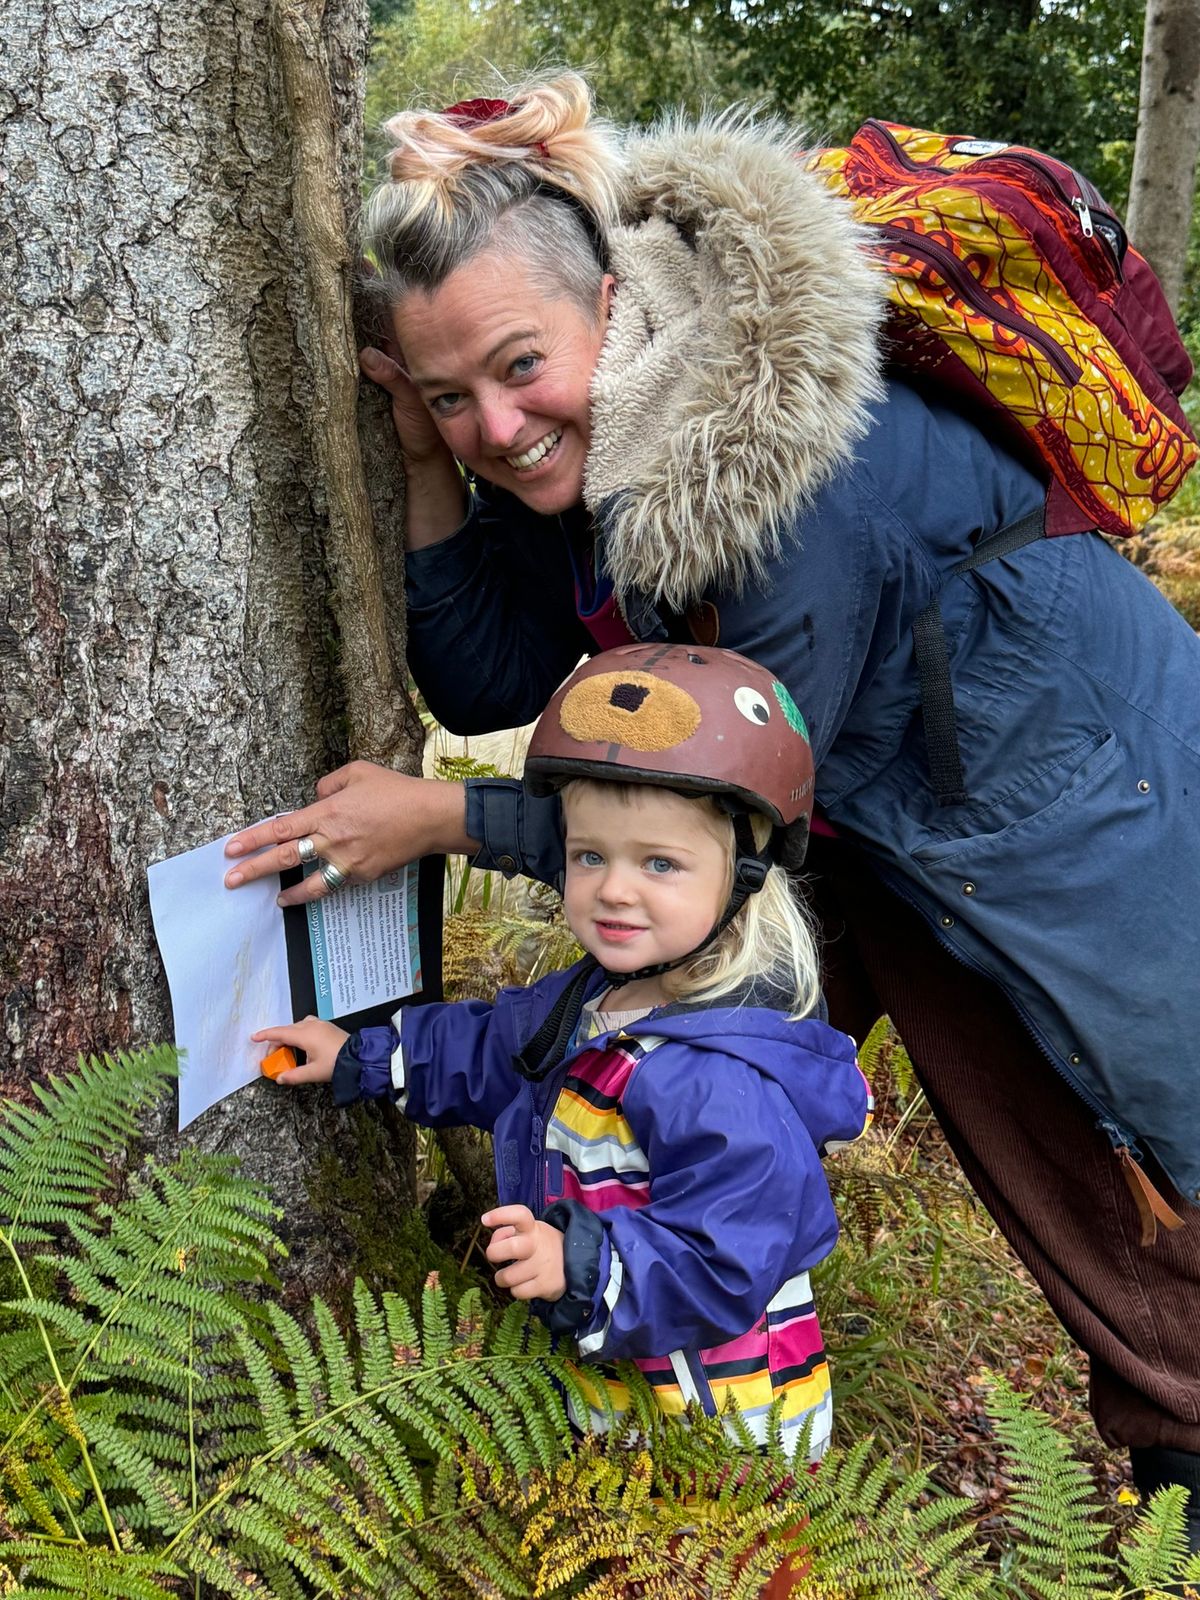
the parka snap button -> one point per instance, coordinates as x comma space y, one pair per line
946, 922
506, 863
1143, 786
1076, 1060
968, 888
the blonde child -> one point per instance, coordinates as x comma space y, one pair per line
659, 1111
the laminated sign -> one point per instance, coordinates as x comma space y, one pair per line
237, 962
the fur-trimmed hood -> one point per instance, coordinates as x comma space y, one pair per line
739, 362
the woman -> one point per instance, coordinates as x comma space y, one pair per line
659, 366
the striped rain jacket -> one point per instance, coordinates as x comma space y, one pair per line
695, 1143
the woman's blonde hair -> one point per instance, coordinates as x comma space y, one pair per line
769, 944
540, 181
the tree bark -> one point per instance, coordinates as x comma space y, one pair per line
169, 658
1162, 189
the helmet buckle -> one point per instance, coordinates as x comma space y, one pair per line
750, 873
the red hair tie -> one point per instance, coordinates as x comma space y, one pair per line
471, 113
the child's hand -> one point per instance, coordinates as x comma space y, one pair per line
533, 1251
320, 1042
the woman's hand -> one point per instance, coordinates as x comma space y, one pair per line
532, 1253
435, 492
320, 1042
419, 438
366, 820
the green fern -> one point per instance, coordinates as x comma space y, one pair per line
1155, 1555
167, 1428
1053, 1506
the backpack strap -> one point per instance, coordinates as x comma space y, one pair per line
553, 1039
932, 657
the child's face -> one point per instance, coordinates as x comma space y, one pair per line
646, 877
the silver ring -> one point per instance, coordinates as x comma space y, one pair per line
333, 877
306, 850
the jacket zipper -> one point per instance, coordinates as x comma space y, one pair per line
535, 1149
975, 294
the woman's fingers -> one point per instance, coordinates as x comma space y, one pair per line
416, 429
311, 887
367, 821
283, 830
381, 368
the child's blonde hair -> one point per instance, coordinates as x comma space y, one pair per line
769, 941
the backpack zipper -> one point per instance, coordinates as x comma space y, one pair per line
975, 294
1083, 203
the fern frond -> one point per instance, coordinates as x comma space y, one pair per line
1156, 1550
72, 1571
53, 1162
1053, 1506
437, 1339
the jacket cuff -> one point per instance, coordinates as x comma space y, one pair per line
494, 815
583, 1243
363, 1069
520, 832
438, 571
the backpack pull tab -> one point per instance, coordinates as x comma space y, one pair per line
1152, 1208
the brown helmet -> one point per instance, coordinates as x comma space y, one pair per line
689, 718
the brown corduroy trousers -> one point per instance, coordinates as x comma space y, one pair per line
1031, 1150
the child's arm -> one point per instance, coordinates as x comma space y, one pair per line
444, 1064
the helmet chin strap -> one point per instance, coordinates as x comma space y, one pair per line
750, 868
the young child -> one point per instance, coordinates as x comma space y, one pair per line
659, 1111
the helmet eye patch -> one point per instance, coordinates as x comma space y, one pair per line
752, 705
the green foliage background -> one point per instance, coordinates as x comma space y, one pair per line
168, 1428
1060, 75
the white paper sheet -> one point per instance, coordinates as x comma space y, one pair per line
227, 968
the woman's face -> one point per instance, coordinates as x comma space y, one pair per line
505, 372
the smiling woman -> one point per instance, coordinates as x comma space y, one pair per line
656, 356
504, 371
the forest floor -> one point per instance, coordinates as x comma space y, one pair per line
923, 1298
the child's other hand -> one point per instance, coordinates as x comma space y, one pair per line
533, 1252
320, 1042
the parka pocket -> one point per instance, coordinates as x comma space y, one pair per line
1084, 770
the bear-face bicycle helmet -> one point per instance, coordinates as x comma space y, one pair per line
695, 720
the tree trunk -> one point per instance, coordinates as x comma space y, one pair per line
168, 656
1163, 185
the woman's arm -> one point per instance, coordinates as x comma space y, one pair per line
492, 629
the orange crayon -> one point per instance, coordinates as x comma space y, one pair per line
281, 1059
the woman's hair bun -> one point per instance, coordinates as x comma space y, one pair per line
544, 124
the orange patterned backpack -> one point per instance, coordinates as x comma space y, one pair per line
1013, 284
